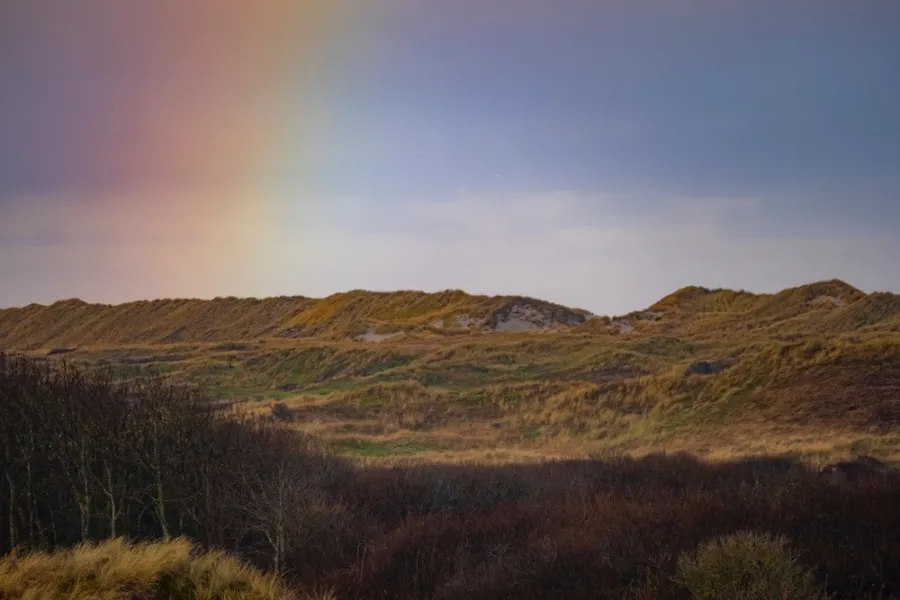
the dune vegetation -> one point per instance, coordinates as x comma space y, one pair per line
115, 570
90, 460
447, 377
414, 445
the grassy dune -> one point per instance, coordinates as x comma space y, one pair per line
813, 370
77, 323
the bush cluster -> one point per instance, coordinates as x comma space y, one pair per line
86, 458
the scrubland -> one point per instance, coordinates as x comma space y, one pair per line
670, 453
87, 458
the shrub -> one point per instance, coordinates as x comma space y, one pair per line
746, 566
281, 412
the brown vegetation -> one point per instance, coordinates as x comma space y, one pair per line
86, 458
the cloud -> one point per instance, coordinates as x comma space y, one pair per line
128, 247
556, 246
128, 217
547, 246
503, 214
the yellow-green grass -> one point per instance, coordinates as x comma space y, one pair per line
340, 316
816, 370
561, 392
772, 400
824, 307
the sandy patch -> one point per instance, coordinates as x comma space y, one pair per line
465, 322
833, 300
524, 318
371, 337
623, 326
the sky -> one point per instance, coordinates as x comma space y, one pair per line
596, 153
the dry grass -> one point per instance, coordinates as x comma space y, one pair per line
354, 312
77, 323
830, 307
444, 394
115, 570
564, 394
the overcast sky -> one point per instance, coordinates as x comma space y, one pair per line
596, 153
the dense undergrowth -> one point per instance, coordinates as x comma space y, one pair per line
85, 458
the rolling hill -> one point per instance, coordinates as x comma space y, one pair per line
410, 375
341, 316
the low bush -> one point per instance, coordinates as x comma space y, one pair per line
746, 566
281, 412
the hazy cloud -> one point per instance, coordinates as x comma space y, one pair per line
542, 245
593, 153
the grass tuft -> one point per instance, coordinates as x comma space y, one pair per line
116, 570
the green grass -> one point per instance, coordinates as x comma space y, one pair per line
378, 449
559, 391
337, 386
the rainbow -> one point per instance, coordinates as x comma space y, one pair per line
181, 128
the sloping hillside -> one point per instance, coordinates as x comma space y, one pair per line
453, 374
830, 307
878, 312
822, 307
359, 313
77, 323
356, 314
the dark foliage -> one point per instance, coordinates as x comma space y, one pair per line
85, 457
281, 412
590, 529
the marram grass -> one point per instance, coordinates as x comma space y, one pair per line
116, 570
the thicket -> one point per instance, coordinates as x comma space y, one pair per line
85, 457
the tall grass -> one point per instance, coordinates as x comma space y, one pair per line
114, 570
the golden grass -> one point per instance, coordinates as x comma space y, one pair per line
354, 312
816, 366
558, 394
77, 323
116, 570
823, 307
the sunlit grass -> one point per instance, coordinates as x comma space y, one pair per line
452, 393
115, 570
